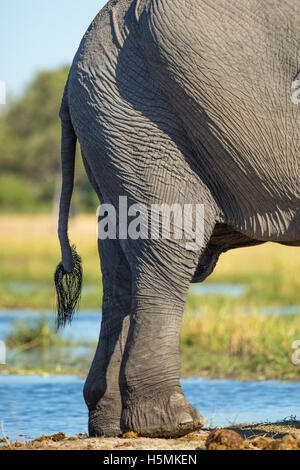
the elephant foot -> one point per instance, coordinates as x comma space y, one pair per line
104, 421
169, 416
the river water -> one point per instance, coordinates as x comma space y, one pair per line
34, 405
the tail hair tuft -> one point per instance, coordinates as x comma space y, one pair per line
68, 290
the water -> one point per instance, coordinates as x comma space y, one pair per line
84, 332
291, 310
229, 290
34, 405
85, 326
31, 406
226, 402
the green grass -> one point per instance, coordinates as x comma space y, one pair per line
230, 344
34, 335
36, 347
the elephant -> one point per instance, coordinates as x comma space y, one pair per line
187, 103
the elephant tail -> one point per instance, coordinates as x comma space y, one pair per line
68, 275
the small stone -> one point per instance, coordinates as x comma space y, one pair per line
60, 436
18, 444
288, 442
296, 435
130, 435
262, 443
224, 439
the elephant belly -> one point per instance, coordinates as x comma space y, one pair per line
229, 72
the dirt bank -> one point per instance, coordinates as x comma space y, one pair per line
279, 436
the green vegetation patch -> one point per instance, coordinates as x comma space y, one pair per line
237, 345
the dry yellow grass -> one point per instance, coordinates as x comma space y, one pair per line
30, 252
38, 232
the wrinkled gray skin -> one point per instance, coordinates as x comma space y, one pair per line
178, 101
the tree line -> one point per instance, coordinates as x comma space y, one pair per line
30, 176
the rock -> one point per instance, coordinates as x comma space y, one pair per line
18, 444
296, 435
130, 435
60, 436
262, 443
288, 442
224, 439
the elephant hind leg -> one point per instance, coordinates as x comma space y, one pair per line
101, 390
153, 402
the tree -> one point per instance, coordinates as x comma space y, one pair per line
30, 147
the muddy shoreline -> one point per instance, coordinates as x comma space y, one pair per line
267, 436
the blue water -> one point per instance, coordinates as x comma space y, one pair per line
85, 326
229, 290
291, 310
34, 405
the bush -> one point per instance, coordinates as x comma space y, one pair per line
16, 194
37, 334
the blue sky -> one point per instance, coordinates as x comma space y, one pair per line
40, 34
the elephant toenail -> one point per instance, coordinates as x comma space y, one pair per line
185, 419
